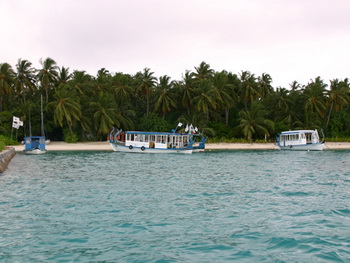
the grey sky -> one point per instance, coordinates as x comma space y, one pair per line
290, 40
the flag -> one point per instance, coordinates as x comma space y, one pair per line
15, 119
20, 123
15, 125
180, 124
195, 129
186, 129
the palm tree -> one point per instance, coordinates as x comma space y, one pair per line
122, 85
338, 96
66, 107
146, 85
105, 113
203, 71
25, 77
63, 76
295, 86
249, 88
314, 94
264, 84
253, 122
164, 102
187, 90
205, 99
81, 81
102, 80
47, 75
311, 121
283, 101
7, 81
221, 86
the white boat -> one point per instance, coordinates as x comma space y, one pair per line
155, 142
300, 140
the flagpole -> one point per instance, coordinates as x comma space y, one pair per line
30, 126
178, 125
42, 118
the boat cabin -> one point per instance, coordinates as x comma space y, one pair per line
159, 140
34, 142
300, 137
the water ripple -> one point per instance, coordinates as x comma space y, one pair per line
220, 206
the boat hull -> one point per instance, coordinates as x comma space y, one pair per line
304, 147
35, 151
123, 148
198, 150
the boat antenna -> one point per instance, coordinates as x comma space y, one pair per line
42, 117
30, 126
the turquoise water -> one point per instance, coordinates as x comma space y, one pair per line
222, 206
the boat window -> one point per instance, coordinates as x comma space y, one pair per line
146, 138
159, 138
163, 139
141, 138
308, 136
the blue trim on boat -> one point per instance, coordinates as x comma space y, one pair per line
154, 133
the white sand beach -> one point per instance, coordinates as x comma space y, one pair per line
105, 146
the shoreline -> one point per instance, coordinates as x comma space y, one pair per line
105, 146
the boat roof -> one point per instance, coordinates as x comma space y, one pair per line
154, 133
35, 137
299, 131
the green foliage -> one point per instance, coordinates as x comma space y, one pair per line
254, 123
221, 131
221, 104
338, 139
7, 140
154, 123
70, 137
2, 146
5, 122
236, 140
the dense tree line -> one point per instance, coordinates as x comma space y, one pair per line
223, 105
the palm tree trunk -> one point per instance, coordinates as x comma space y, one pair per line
147, 99
47, 94
227, 111
329, 114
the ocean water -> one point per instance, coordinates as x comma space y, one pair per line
218, 206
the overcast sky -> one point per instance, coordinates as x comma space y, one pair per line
288, 39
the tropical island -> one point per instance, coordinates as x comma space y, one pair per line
225, 106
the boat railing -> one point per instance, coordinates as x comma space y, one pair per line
111, 135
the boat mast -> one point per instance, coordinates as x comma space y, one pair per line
42, 117
30, 126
